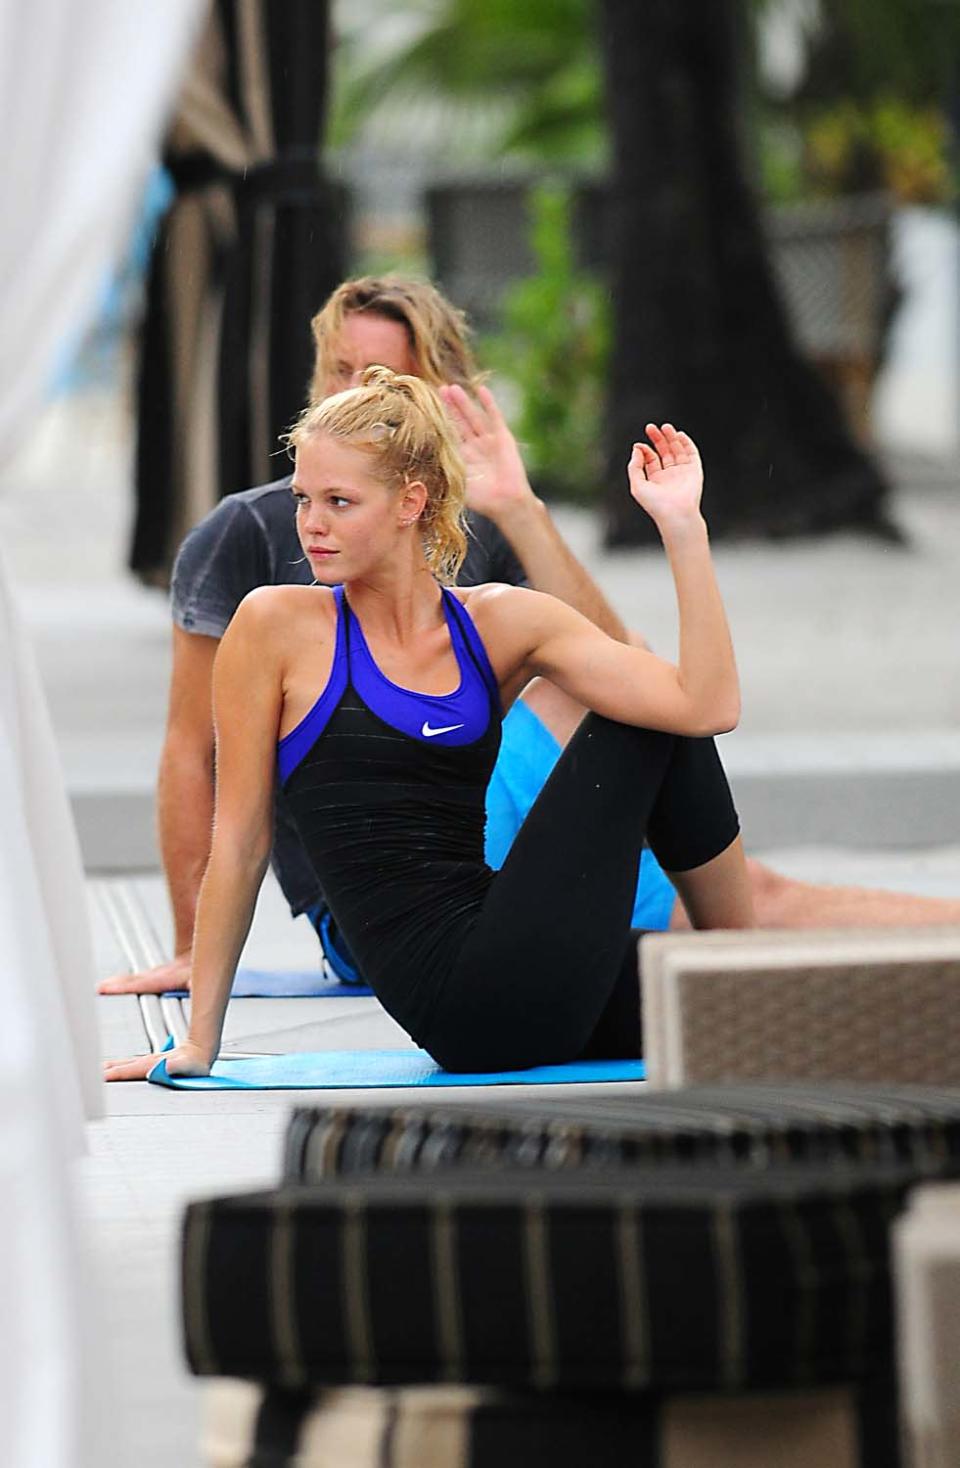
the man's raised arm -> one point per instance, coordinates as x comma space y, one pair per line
498, 487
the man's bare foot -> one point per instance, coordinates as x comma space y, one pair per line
174, 974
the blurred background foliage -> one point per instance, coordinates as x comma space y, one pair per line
868, 107
863, 104
553, 351
872, 106
504, 80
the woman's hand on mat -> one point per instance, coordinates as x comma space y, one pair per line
185, 1060
172, 975
667, 479
497, 483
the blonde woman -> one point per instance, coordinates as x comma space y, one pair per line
250, 540
375, 698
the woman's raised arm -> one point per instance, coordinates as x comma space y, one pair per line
698, 695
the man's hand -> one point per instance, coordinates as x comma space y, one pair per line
497, 483
186, 1060
172, 975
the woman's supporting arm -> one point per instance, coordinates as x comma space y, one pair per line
247, 703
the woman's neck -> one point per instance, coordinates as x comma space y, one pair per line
397, 602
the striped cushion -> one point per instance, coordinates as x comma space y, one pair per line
750, 1125
483, 1427
876, 1005
698, 1280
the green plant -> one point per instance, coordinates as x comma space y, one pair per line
507, 79
888, 143
553, 349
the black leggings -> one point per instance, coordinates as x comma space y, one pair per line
549, 972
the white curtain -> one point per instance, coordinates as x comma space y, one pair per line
85, 87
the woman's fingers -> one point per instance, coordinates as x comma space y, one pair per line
680, 444
656, 437
185, 1059
130, 1070
645, 458
664, 441
673, 446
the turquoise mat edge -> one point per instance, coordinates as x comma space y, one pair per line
374, 1069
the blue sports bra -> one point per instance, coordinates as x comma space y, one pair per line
449, 719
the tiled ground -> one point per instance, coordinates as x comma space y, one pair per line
157, 1149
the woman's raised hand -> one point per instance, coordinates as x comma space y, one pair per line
667, 479
186, 1060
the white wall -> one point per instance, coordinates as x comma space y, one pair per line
916, 402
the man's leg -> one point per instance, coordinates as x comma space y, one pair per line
778, 901
715, 894
556, 710
784, 902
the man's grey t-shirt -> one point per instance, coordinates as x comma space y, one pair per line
250, 540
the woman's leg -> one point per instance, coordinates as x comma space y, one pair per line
541, 964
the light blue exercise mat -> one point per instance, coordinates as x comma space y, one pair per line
342, 1070
261, 983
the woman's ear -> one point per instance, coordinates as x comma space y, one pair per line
412, 502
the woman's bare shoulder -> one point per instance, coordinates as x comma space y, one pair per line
511, 621
268, 609
491, 594
496, 601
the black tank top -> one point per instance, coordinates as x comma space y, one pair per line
386, 787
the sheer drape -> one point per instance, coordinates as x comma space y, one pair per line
84, 91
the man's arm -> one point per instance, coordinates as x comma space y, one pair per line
498, 487
185, 803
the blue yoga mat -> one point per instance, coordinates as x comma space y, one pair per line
340, 1070
261, 983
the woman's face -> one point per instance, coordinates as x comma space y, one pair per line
348, 520
368, 340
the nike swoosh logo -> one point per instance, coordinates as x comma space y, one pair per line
428, 733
